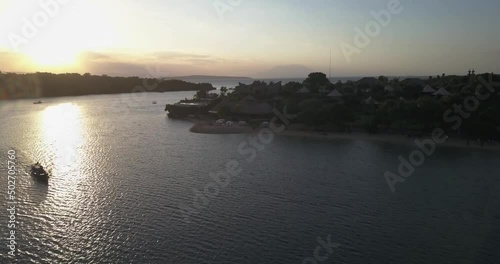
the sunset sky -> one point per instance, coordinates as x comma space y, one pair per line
264, 38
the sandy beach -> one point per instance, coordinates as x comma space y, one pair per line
204, 127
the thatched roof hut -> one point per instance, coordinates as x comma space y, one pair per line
429, 90
335, 93
303, 90
442, 92
370, 100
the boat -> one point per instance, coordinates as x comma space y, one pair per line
154, 102
38, 172
37, 102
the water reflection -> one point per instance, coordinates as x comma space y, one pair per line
62, 142
62, 137
39, 192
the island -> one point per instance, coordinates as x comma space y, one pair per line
41, 84
466, 107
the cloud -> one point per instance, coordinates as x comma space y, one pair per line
186, 57
169, 63
94, 56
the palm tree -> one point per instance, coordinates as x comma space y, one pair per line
223, 91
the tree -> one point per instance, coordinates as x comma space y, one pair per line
223, 91
312, 112
291, 87
384, 80
377, 92
315, 80
428, 112
390, 112
224, 111
340, 114
201, 94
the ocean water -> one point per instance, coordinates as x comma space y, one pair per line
123, 174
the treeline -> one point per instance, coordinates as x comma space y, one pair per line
470, 110
13, 86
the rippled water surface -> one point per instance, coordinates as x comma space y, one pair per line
121, 171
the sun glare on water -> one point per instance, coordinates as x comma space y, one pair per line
62, 134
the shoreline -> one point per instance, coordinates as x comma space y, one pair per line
203, 127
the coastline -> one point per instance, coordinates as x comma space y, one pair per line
203, 127
206, 128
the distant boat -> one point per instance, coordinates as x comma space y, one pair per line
37, 102
38, 172
154, 102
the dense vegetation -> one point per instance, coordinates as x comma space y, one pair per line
394, 106
72, 84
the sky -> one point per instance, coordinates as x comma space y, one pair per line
259, 38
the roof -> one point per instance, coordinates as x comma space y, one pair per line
389, 88
303, 90
335, 93
428, 89
442, 92
226, 102
370, 100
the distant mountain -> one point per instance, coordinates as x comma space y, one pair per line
209, 77
286, 71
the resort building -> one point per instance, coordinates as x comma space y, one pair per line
371, 101
442, 92
303, 90
335, 94
428, 90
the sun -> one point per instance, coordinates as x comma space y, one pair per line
53, 56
